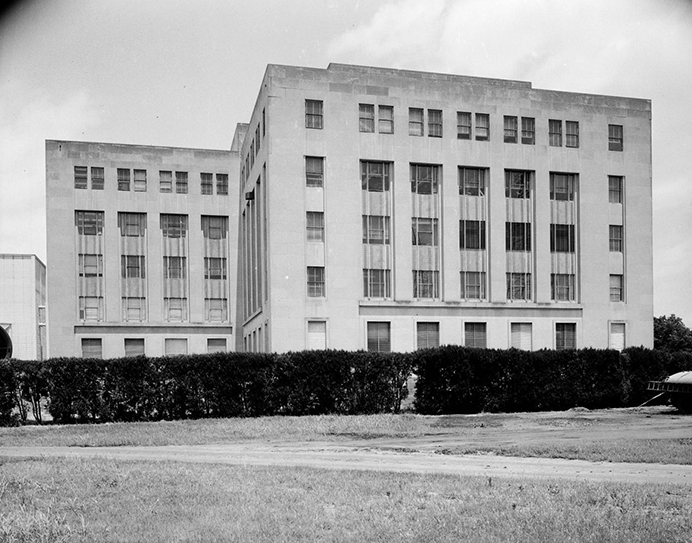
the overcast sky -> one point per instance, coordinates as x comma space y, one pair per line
183, 73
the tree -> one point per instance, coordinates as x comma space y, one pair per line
671, 334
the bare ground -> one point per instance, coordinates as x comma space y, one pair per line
437, 451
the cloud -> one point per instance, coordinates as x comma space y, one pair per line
27, 119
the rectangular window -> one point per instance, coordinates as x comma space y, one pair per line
473, 285
562, 287
555, 133
316, 281
132, 224
366, 118
89, 223
216, 345
519, 286
615, 137
140, 177
475, 335
207, 183
314, 171
427, 335
424, 179
385, 124
615, 189
375, 176
482, 126
565, 336
615, 238
134, 346
471, 234
214, 227
80, 177
435, 123
174, 346
91, 308
426, 284
314, 114
562, 186
123, 179
214, 267
174, 226
376, 283
97, 178
528, 130
317, 335
518, 184
314, 225
562, 238
132, 266
617, 336
379, 338
471, 181
216, 309
92, 348
572, 134
415, 121
518, 236
90, 265
424, 231
221, 183
511, 129
521, 333
376, 229
181, 182
165, 181
174, 267
175, 309
463, 125
616, 288
134, 310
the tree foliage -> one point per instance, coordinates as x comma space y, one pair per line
671, 334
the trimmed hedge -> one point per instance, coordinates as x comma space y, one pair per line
450, 379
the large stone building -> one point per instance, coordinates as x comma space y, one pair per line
367, 208
22, 307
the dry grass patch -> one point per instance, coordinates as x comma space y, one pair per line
107, 501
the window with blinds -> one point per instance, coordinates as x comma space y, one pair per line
175, 346
317, 335
435, 123
415, 121
379, 337
521, 336
140, 177
207, 183
511, 129
463, 125
617, 336
165, 181
565, 335
482, 126
385, 124
123, 179
314, 171
89, 223
427, 335
134, 346
528, 130
216, 345
366, 118
555, 133
214, 226
174, 226
92, 348
80, 177
475, 335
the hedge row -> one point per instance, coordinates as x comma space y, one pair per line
197, 386
450, 379
456, 379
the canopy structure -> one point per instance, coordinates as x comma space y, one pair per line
5, 344
679, 387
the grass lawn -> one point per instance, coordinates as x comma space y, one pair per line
65, 500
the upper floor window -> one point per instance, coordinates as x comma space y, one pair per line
511, 129
375, 176
471, 181
528, 130
376, 229
555, 133
214, 268
140, 180
562, 186
132, 224
415, 121
463, 125
123, 179
314, 171
517, 184
90, 265
385, 123
519, 287
471, 234
435, 123
482, 126
572, 133
97, 178
174, 226
615, 137
424, 179
181, 182
562, 287
313, 114
89, 223
80, 177
615, 189
615, 235
221, 183
214, 226
426, 284
518, 236
424, 231
174, 267
616, 288
314, 225
316, 281
562, 238
165, 181
376, 283
366, 120
207, 183
132, 266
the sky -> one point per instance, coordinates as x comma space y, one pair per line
182, 73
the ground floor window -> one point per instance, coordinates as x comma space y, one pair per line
475, 335
92, 347
521, 333
565, 335
134, 346
175, 346
379, 337
317, 335
427, 335
216, 345
617, 336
